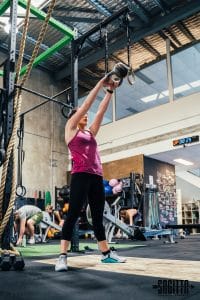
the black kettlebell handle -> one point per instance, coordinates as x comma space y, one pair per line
114, 77
131, 76
119, 72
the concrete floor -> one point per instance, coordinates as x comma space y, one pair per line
144, 276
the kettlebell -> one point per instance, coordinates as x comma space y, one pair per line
118, 73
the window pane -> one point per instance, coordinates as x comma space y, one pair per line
108, 117
150, 90
186, 71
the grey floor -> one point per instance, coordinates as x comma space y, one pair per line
39, 281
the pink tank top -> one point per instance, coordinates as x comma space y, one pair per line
85, 155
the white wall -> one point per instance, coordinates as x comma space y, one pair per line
45, 161
189, 192
179, 205
151, 131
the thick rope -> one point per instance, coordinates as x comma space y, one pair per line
11, 251
39, 41
13, 139
18, 68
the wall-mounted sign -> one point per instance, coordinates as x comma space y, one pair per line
186, 140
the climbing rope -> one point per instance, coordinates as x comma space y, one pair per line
17, 110
39, 41
12, 142
18, 68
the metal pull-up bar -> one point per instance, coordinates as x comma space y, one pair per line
102, 24
43, 96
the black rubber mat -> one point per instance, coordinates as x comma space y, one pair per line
39, 281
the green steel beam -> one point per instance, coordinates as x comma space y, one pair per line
46, 54
53, 22
4, 6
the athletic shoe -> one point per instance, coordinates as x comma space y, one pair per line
31, 241
112, 257
61, 264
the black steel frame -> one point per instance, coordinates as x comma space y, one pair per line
9, 87
45, 97
9, 90
77, 46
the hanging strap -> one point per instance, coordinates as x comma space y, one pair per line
130, 75
20, 189
106, 50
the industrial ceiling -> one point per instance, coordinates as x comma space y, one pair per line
150, 23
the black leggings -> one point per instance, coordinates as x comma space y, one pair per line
85, 186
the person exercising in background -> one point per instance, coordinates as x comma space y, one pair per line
86, 174
28, 216
54, 214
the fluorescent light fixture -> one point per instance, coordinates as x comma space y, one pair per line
195, 83
183, 162
181, 88
149, 98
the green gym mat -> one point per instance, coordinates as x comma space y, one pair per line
52, 249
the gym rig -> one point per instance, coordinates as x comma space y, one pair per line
14, 77
11, 125
11, 119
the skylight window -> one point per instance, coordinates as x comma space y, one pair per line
4, 19
179, 89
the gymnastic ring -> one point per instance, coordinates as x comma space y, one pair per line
65, 111
20, 190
